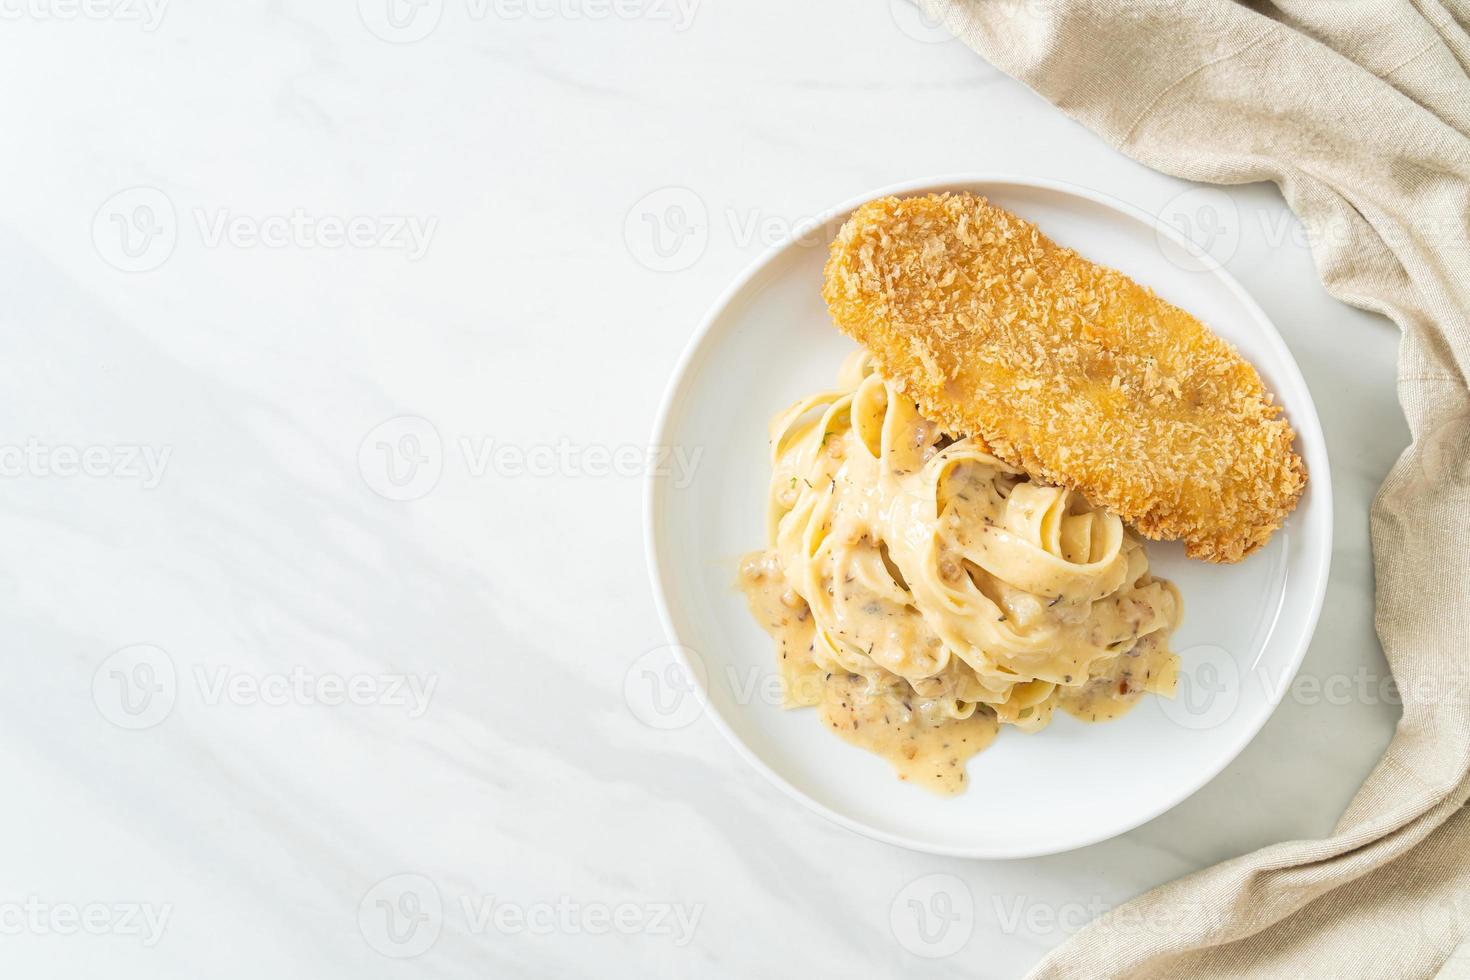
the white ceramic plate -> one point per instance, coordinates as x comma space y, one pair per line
769, 340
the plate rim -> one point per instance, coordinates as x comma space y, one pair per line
1308, 430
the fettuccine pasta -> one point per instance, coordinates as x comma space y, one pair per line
922, 592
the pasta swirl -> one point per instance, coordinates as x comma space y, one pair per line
922, 591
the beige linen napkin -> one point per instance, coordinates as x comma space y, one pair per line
1360, 111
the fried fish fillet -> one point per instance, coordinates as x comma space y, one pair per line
1069, 370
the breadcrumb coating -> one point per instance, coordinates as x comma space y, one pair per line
1069, 370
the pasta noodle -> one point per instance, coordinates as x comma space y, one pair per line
922, 592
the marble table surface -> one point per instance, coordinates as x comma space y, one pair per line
333, 339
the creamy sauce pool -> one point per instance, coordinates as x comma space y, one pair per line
885, 716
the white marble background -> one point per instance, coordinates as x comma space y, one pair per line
239, 237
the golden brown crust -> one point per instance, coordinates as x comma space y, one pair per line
1070, 370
